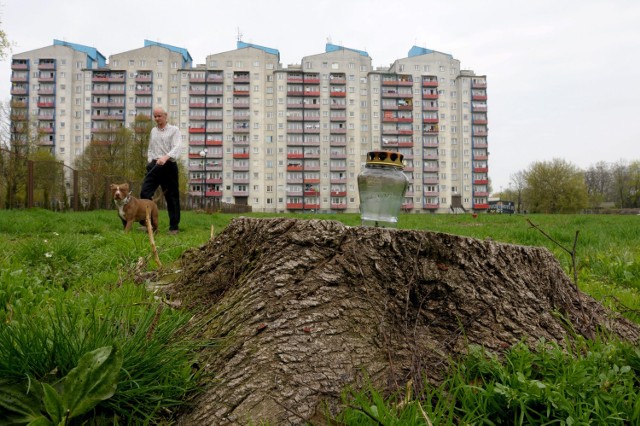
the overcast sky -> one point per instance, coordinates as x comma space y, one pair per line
563, 76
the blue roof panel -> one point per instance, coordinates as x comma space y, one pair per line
330, 47
186, 57
93, 55
243, 45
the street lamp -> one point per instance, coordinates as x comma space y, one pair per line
203, 155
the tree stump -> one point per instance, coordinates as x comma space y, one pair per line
298, 310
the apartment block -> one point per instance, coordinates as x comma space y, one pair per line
277, 138
48, 97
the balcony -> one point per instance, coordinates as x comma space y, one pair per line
294, 206
117, 117
430, 82
430, 206
479, 96
241, 78
197, 77
481, 206
196, 129
47, 64
18, 91
338, 193
408, 205
19, 64
240, 168
478, 83
110, 78
215, 76
18, 78
337, 93
240, 155
111, 104
21, 116
338, 206
143, 78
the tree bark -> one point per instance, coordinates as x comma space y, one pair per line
298, 310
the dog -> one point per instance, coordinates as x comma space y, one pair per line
132, 209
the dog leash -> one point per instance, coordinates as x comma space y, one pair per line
149, 172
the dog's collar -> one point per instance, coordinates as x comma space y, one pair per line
125, 201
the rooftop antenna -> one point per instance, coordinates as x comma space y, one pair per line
239, 35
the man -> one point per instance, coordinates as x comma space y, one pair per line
162, 167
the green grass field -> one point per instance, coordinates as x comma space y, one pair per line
66, 289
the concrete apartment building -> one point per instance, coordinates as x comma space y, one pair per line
279, 139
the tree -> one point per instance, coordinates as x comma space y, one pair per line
5, 44
301, 309
599, 183
141, 132
519, 182
555, 186
19, 141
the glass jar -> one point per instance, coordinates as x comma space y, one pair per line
381, 186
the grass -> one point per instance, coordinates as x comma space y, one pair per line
596, 383
66, 288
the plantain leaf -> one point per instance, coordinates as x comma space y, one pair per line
41, 421
53, 403
93, 380
19, 402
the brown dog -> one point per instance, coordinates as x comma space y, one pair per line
132, 209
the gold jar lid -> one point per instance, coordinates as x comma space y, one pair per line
387, 158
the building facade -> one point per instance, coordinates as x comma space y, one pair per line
279, 139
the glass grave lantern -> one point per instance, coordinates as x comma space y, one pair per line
381, 186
